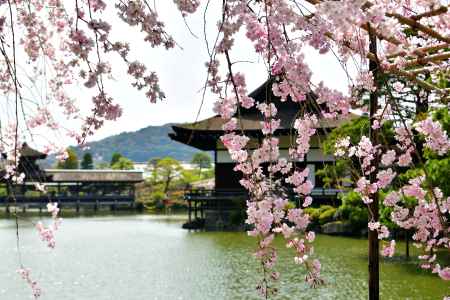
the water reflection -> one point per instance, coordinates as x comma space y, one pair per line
151, 257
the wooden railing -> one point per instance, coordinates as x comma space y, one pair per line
198, 195
86, 199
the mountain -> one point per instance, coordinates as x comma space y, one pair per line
139, 146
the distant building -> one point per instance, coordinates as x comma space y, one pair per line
205, 135
147, 170
144, 168
74, 188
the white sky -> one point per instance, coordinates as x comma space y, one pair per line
182, 72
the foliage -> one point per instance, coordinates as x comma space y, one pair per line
279, 30
353, 210
115, 158
335, 175
353, 128
321, 215
165, 171
338, 175
123, 164
327, 215
202, 161
87, 162
71, 162
102, 165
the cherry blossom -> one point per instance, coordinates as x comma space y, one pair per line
76, 40
36, 290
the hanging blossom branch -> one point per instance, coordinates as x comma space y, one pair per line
292, 83
64, 45
73, 42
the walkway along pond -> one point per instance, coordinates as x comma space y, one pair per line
137, 257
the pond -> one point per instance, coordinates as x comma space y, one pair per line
151, 257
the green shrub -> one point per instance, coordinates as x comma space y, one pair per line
358, 218
158, 196
290, 205
327, 215
324, 208
313, 213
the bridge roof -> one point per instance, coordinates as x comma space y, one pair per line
60, 175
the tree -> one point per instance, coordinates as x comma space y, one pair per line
405, 38
166, 170
102, 165
71, 162
123, 164
87, 163
202, 160
115, 158
153, 162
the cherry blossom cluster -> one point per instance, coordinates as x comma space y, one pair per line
187, 6
36, 290
68, 45
428, 218
279, 31
65, 45
10, 155
436, 138
267, 210
47, 234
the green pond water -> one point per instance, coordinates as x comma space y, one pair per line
151, 257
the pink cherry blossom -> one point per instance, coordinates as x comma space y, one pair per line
389, 250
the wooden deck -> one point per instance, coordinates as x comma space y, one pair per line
201, 201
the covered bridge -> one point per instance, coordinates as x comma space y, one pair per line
73, 188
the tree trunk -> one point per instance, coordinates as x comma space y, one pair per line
374, 272
407, 243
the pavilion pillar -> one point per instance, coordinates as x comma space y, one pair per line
190, 210
374, 247
195, 209
202, 213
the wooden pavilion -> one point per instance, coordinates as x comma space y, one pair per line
73, 188
205, 135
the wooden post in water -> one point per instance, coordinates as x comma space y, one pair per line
374, 256
195, 209
202, 214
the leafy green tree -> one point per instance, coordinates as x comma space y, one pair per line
123, 164
115, 158
202, 161
70, 163
87, 163
165, 171
152, 162
102, 165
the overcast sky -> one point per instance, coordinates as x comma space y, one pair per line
182, 72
